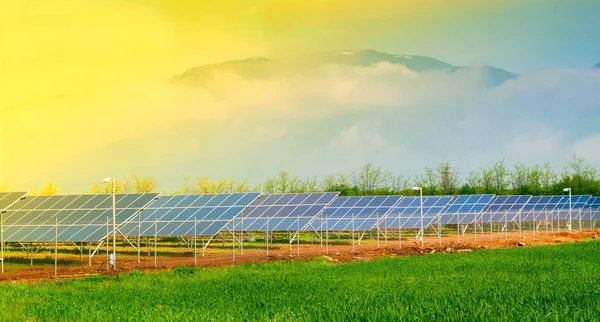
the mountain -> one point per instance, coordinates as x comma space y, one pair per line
597, 66
370, 57
491, 76
253, 68
263, 68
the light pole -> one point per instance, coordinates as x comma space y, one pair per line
114, 223
421, 200
570, 207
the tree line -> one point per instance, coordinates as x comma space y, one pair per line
445, 179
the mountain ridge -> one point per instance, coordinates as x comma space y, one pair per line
263, 68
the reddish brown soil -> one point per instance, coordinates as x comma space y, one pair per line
217, 256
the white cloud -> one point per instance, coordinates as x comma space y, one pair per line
335, 117
588, 148
359, 137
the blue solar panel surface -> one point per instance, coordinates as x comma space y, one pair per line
407, 213
540, 207
504, 208
465, 208
177, 215
9, 198
594, 208
362, 212
81, 218
575, 204
284, 212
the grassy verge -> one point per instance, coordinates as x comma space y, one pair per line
539, 283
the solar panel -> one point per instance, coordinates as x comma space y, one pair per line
538, 207
407, 212
363, 212
176, 215
464, 209
594, 208
7, 199
284, 212
574, 205
504, 208
81, 218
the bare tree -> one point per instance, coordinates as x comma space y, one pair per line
580, 176
428, 181
283, 182
187, 186
449, 178
501, 176
242, 186
487, 180
311, 184
342, 180
297, 185
221, 186
269, 186
474, 180
519, 178
369, 179
329, 182
143, 184
548, 178
50, 189
396, 183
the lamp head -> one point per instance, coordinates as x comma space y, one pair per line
106, 180
416, 188
567, 189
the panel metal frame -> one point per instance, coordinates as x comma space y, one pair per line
254, 218
405, 220
34, 220
363, 217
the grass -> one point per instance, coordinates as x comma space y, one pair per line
538, 283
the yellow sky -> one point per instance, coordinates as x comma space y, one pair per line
77, 76
57, 47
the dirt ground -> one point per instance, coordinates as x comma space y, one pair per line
217, 255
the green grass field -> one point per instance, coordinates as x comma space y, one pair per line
539, 283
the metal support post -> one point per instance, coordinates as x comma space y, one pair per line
2, 240
139, 239
353, 233
195, 239
242, 234
55, 246
107, 243
321, 227
267, 237
155, 240
377, 227
399, 232
326, 236
506, 224
491, 230
298, 236
440, 228
385, 230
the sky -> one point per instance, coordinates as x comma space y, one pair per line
84, 88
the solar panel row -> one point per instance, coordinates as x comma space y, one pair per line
83, 217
